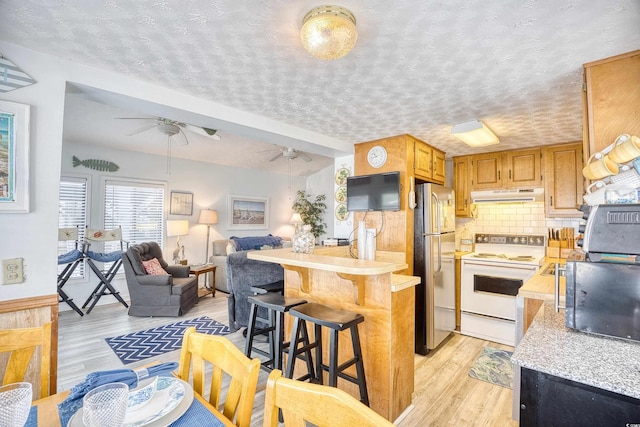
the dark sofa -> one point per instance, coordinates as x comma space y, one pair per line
242, 273
157, 295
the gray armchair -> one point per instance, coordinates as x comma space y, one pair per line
157, 295
242, 274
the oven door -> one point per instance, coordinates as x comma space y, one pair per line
489, 288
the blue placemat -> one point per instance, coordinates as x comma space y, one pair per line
32, 421
197, 415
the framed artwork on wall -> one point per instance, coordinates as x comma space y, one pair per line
14, 157
181, 203
248, 213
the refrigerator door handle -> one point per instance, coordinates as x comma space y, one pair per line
439, 254
436, 205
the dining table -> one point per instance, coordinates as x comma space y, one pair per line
44, 413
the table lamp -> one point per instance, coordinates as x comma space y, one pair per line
208, 217
297, 221
178, 228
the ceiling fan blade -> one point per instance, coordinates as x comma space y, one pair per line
142, 129
181, 141
210, 133
276, 157
304, 156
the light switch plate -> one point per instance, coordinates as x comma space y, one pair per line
12, 271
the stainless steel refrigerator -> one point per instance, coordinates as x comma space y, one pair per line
434, 262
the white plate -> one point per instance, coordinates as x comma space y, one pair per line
170, 401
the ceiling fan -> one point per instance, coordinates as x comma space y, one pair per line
291, 154
172, 127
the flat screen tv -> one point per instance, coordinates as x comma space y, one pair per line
376, 192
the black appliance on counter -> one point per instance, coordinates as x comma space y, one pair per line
603, 290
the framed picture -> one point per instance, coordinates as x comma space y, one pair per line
14, 157
181, 203
248, 213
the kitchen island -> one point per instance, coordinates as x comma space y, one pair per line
570, 375
387, 302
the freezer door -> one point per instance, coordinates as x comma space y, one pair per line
440, 291
439, 209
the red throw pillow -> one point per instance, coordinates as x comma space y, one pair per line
153, 267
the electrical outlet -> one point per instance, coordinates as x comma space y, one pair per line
12, 271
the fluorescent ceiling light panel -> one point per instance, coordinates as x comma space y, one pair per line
474, 133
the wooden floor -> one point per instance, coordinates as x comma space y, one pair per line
444, 393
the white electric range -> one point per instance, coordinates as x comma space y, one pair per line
491, 278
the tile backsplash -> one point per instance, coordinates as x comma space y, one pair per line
512, 218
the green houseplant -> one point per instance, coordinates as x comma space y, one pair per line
311, 211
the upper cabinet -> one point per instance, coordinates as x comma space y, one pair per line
429, 162
462, 185
506, 169
563, 182
611, 100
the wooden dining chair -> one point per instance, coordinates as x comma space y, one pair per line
228, 363
321, 405
21, 344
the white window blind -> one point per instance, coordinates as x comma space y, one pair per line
138, 208
72, 212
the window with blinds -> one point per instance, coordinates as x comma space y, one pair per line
72, 212
137, 207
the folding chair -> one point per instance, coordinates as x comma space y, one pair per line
104, 287
70, 260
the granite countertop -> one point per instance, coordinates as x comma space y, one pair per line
607, 363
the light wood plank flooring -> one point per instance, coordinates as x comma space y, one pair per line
444, 393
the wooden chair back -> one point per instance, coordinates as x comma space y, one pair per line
324, 406
21, 344
229, 363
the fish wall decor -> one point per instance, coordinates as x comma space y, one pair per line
95, 164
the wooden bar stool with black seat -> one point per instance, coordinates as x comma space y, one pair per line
336, 320
276, 305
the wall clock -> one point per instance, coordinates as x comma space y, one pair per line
377, 156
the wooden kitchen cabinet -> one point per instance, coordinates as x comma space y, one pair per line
563, 181
486, 171
507, 169
462, 185
611, 100
429, 163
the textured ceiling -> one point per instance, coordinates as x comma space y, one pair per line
418, 66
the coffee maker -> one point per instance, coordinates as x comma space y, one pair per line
603, 289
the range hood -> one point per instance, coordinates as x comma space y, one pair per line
508, 196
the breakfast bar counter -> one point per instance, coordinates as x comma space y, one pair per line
387, 302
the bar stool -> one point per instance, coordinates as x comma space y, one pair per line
336, 321
276, 305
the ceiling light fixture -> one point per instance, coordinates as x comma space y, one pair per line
474, 133
329, 32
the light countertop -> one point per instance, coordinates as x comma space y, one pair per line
336, 264
607, 363
542, 287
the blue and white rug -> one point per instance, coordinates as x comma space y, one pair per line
494, 366
159, 340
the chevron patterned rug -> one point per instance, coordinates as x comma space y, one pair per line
159, 340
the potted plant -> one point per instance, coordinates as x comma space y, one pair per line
311, 211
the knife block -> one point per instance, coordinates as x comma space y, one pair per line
553, 249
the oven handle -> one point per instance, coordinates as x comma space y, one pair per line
516, 266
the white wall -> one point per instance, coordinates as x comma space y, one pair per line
211, 186
33, 236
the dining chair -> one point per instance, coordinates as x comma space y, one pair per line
230, 367
21, 343
322, 405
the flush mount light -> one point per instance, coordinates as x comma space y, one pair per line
474, 133
329, 32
